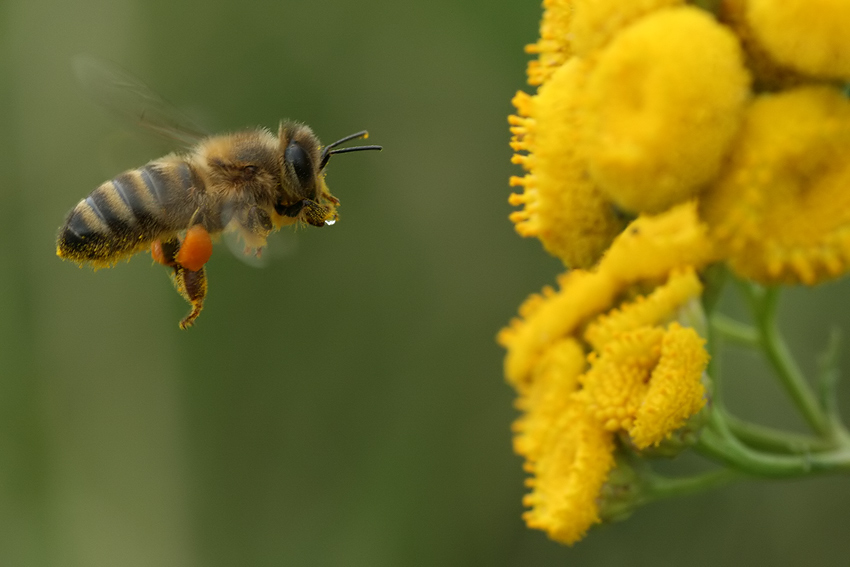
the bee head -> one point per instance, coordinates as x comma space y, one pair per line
305, 194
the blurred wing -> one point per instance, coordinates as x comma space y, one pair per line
127, 96
254, 250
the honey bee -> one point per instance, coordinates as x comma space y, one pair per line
251, 183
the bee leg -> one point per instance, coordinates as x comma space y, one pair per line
314, 213
257, 220
290, 211
187, 260
165, 252
192, 285
331, 198
318, 215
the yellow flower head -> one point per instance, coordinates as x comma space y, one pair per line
663, 103
768, 74
547, 396
554, 46
780, 210
595, 22
659, 307
675, 391
653, 246
807, 35
562, 208
644, 379
568, 454
552, 316
648, 252
574, 461
616, 384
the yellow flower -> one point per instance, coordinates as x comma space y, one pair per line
807, 35
552, 316
567, 452
780, 210
554, 46
616, 384
644, 379
660, 306
562, 208
653, 246
547, 395
569, 475
663, 104
675, 390
595, 22
768, 74
647, 252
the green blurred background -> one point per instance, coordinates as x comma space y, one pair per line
344, 406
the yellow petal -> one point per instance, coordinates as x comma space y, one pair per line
561, 207
554, 47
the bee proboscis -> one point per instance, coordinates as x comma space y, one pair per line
251, 182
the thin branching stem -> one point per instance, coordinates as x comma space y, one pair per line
763, 302
762, 438
735, 331
735, 454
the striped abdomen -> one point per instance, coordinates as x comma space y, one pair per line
123, 216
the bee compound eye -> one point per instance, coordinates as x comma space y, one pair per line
300, 161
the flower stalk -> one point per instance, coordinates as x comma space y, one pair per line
763, 302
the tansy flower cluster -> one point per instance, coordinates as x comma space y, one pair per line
643, 105
663, 137
612, 354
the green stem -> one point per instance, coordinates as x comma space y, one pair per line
735, 331
763, 303
733, 453
714, 277
764, 438
827, 380
660, 487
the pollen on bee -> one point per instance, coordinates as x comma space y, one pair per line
157, 254
196, 248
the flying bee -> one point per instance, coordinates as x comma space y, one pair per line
251, 183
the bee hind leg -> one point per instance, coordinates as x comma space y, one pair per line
165, 252
187, 260
192, 285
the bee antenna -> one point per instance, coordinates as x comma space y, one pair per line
328, 150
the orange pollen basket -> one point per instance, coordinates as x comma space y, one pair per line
196, 249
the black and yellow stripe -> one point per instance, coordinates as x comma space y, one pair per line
124, 215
